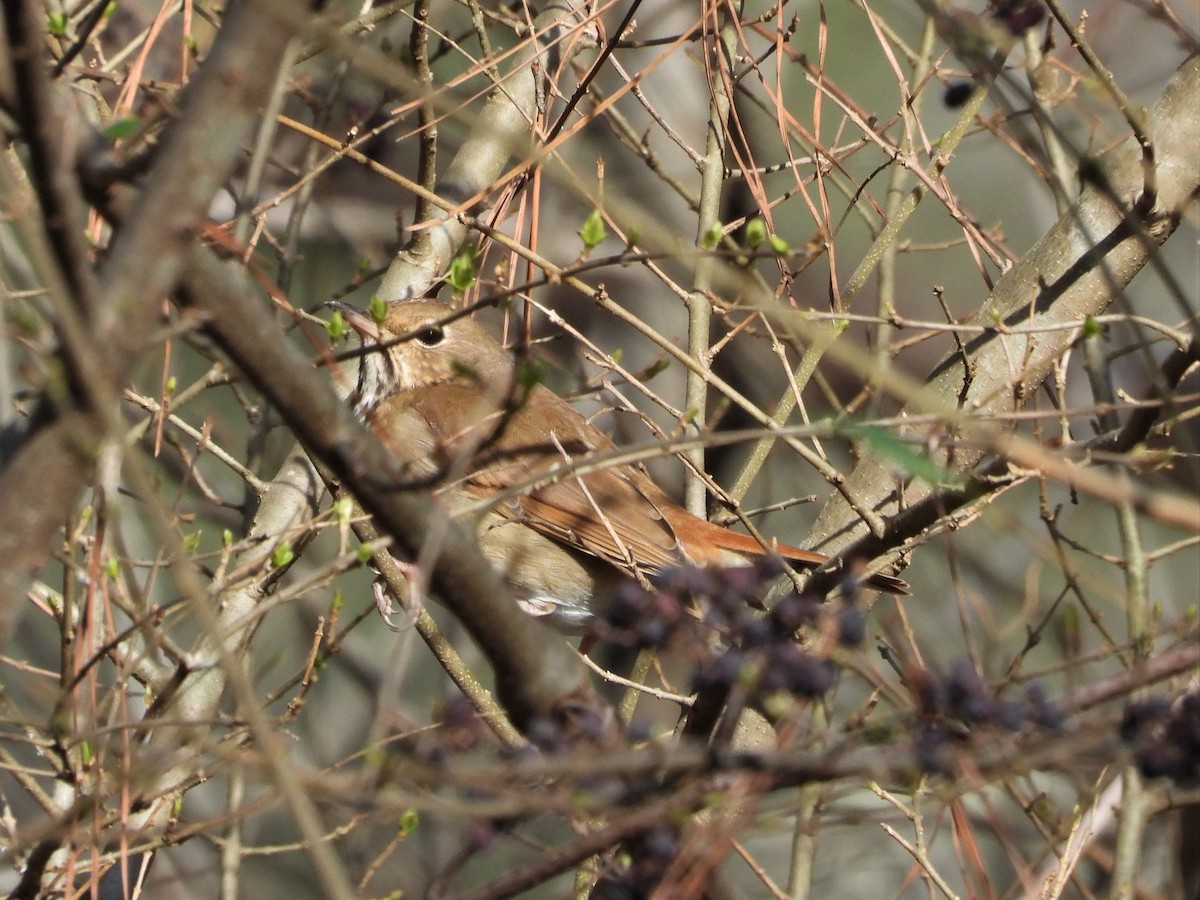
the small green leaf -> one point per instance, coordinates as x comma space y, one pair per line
85, 752
779, 246
282, 554
463, 269
56, 22
113, 568
756, 232
593, 231
190, 542
712, 236
339, 599
343, 508
120, 128
632, 235
1044, 810
1091, 327
409, 819
169, 387
1070, 633
655, 368
379, 309
364, 553
888, 445
336, 326
226, 538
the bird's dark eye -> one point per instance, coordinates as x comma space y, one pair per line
430, 335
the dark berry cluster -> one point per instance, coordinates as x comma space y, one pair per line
461, 728
637, 617
729, 598
957, 93
1165, 737
655, 617
951, 706
649, 854
761, 652
964, 695
1018, 16
574, 726
788, 667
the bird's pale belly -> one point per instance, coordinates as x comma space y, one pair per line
547, 578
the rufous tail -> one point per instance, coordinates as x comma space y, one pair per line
807, 559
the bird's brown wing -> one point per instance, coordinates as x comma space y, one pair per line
616, 513
612, 513
604, 514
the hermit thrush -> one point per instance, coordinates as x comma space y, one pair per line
444, 397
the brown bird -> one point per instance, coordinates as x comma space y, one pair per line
444, 397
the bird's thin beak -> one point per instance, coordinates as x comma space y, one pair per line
360, 321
